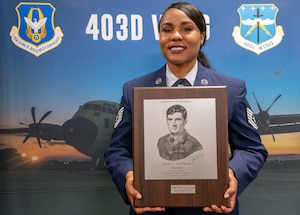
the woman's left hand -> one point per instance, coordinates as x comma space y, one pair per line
230, 194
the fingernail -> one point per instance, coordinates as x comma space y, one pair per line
226, 196
138, 196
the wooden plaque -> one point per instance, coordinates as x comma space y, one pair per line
192, 170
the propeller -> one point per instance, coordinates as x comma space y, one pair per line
273, 102
264, 117
35, 128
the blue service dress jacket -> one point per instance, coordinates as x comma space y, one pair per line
248, 153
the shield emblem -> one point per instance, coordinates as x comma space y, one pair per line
258, 31
36, 32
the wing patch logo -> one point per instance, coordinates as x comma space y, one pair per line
258, 31
35, 32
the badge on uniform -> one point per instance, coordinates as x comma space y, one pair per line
251, 118
119, 117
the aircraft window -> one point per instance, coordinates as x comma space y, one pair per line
106, 123
104, 109
97, 107
86, 107
109, 110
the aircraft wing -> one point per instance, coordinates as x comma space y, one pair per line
13, 130
45, 131
284, 123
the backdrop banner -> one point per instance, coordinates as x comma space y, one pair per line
63, 65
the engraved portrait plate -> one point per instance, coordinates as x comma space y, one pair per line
180, 149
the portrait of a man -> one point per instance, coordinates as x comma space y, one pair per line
178, 143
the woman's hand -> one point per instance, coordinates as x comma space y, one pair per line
132, 194
230, 194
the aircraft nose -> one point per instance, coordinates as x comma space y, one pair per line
79, 132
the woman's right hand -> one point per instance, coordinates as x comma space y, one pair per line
132, 194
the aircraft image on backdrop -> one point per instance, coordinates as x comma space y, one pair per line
88, 131
276, 124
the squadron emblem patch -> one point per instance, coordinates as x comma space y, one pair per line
36, 33
258, 31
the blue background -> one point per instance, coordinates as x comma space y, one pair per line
81, 69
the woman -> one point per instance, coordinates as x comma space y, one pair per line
182, 34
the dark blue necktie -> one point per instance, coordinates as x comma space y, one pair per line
181, 82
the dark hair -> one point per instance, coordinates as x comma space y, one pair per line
196, 15
177, 108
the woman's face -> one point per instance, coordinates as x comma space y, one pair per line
180, 38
